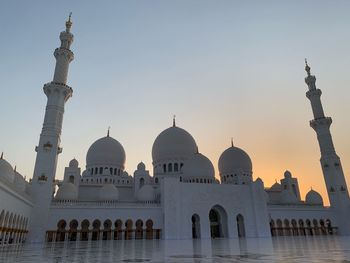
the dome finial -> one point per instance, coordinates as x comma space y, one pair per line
2, 155
69, 22
307, 68
109, 127
174, 124
197, 151
15, 169
231, 141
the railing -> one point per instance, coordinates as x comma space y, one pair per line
114, 203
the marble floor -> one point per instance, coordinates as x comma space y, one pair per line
278, 249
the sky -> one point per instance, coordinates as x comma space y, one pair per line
224, 68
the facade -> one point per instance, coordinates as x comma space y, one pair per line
181, 200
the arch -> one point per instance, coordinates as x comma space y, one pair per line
61, 230
107, 225
73, 230
196, 227
139, 230
240, 225
149, 229
142, 182
309, 229
272, 227
85, 230
329, 227
218, 222
2, 217
96, 229
128, 229
301, 227
279, 227
71, 179
118, 225
323, 227
176, 167
287, 229
294, 227
170, 167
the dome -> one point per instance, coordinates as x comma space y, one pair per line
73, 163
233, 159
198, 166
6, 170
146, 193
173, 143
108, 192
287, 174
106, 151
141, 166
287, 197
313, 198
67, 191
276, 187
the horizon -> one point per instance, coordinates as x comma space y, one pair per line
224, 76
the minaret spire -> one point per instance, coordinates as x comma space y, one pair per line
69, 23
58, 93
330, 161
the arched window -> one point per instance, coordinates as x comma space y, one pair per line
101, 170
71, 179
156, 180
176, 167
142, 182
115, 171
96, 170
164, 168
91, 171
240, 225
170, 167
111, 170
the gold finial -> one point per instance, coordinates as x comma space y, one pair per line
2, 155
197, 151
69, 22
174, 124
15, 170
307, 68
109, 127
231, 142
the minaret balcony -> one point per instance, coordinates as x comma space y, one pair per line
321, 122
313, 92
50, 88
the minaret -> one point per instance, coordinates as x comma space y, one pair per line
57, 92
330, 161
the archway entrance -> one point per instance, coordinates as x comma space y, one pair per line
240, 225
196, 229
218, 222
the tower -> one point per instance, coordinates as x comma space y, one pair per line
330, 161
57, 92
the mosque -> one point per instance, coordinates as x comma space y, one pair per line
182, 199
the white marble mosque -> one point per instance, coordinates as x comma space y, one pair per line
182, 199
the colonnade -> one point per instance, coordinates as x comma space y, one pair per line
301, 227
120, 231
13, 228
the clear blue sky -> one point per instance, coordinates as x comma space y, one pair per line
225, 68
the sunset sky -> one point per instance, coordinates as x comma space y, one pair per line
224, 68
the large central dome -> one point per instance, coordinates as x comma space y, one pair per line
173, 143
106, 151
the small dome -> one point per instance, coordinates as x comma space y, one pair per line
313, 198
198, 166
276, 187
173, 143
106, 151
67, 191
233, 159
141, 166
287, 197
6, 171
73, 163
287, 174
146, 193
108, 192
20, 182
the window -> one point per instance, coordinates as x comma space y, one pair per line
156, 180
176, 167
170, 167
115, 171
101, 170
164, 168
91, 171
96, 170
71, 179
111, 170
